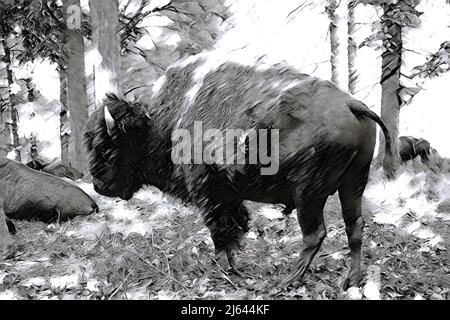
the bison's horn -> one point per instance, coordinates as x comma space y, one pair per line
110, 124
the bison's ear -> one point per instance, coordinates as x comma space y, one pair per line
109, 120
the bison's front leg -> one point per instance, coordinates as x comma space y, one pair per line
310, 218
227, 226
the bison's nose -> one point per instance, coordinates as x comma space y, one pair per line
100, 188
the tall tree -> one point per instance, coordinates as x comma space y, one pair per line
10, 13
351, 47
396, 16
106, 38
334, 39
64, 125
76, 83
390, 83
43, 34
11, 118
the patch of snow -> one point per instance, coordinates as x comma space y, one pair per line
162, 211
141, 228
252, 235
149, 194
424, 233
337, 255
2, 276
92, 285
371, 291
354, 293
90, 231
167, 295
271, 213
424, 249
393, 218
433, 242
121, 212
8, 295
25, 265
413, 227
66, 281
15, 88
35, 281
173, 39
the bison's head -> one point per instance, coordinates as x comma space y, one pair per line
115, 138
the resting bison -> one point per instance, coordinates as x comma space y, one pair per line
6, 247
55, 168
411, 147
325, 143
27, 194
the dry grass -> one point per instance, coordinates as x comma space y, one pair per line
163, 252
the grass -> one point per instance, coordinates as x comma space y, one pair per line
151, 248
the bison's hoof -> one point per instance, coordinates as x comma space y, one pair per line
295, 279
353, 280
224, 261
296, 276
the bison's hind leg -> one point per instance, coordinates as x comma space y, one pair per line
350, 195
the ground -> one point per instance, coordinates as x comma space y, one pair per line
152, 247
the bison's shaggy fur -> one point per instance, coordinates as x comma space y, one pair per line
411, 148
326, 143
32, 195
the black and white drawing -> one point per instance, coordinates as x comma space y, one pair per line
224, 149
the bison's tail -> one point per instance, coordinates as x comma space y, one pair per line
360, 110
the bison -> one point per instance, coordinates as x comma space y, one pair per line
325, 144
411, 147
6, 247
55, 168
26, 194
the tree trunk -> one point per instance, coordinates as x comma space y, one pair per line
34, 148
351, 47
390, 86
334, 39
105, 35
64, 125
76, 92
12, 122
